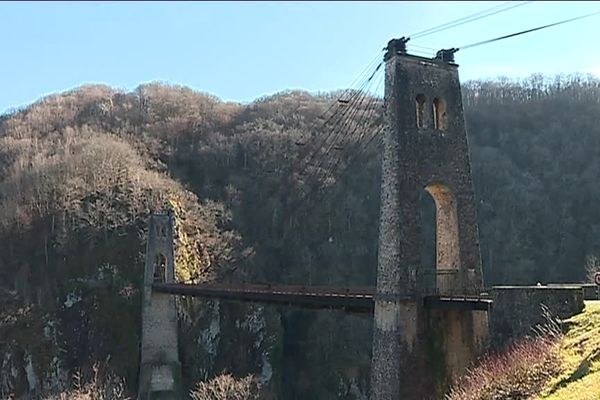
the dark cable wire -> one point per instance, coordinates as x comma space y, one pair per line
343, 129
425, 31
321, 197
327, 144
422, 47
470, 18
337, 102
356, 151
363, 121
316, 190
307, 159
350, 120
527, 31
356, 94
365, 115
292, 166
341, 124
423, 53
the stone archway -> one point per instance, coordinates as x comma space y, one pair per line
160, 268
447, 242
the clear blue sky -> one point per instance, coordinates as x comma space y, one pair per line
242, 50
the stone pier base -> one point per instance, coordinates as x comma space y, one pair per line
417, 352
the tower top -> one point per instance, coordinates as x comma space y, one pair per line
395, 46
398, 47
446, 55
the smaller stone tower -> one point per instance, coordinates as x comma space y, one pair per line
160, 370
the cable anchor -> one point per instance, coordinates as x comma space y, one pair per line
395, 46
446, 55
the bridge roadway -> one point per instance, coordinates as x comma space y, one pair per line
354, 300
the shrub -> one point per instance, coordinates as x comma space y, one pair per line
226, 387
100, 384
518, 372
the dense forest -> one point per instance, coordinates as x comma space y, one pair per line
79, 172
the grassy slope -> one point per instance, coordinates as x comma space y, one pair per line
580, 354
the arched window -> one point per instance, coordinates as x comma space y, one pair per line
439, 114
420, 107
160, 268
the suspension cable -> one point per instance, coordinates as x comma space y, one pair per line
337, 118
324, 158
329, 172
363, 122
526, 31
469, 18
334, 132
345, 97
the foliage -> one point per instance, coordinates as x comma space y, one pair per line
535, 145
550, 365
226, 387
580, 359
99, 384
80, 170
518, 372
592, 267
74, 201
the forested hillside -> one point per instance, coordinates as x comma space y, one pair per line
80, 170
535, 152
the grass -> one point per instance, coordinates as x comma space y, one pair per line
580, 359
519, 372
548, 366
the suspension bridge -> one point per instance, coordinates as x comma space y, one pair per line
422, 138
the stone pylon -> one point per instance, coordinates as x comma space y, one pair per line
416, 350
160, 370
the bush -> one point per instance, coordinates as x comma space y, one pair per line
99, 385
226, 387
518, 372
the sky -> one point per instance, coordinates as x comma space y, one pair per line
239, 51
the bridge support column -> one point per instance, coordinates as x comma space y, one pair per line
454, 337
395, 342
160, 369
417, 350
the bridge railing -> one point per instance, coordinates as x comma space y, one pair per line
451, 282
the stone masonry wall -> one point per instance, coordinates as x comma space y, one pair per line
518, 309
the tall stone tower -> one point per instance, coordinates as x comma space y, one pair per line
160, 370
416, 349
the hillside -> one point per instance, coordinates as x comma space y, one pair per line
580, 359
80, 170
558, 363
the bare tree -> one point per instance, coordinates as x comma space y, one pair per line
592, 266
99, 385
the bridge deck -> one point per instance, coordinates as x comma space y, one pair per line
355, 299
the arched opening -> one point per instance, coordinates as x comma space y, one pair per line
420, 107
439, 114
161, 230
160, 268
447, 255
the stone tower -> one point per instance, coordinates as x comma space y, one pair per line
416, 350
160, 370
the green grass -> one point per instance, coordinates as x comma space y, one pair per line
548, 366
580, 359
